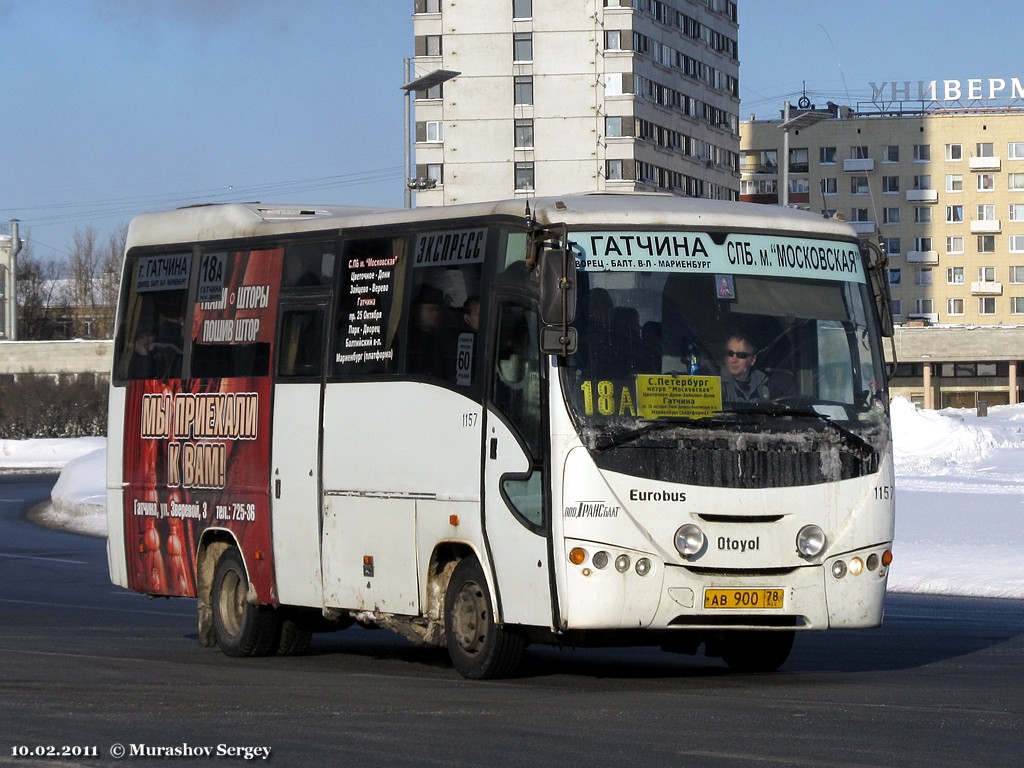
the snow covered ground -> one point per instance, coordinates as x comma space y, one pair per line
959, 497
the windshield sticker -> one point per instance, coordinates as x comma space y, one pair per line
689, 397
747, 254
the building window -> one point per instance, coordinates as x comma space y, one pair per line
434, 130
890, 184
1016, 182
922, 182
1015, 150
955, 244
524, 177
1017, 274
897, 307
524, 134
427, 6
860, 214
522, 9
922, 244
954, 306
1016, 243
954, 214
859, 153
892, 246
830, 186
955, 275
986, 305
954, 151
522, 47
613, 127
1016, 211
922, 153
987, 182
894, 277
923, 306
613, 40
613, 170
923, 276
827, 155
984, 150
986, 243
891, 153
798, 162
922, 215
987, 274
858, 185
524, 90
986, 213
1017, 305
954, 182
890, 215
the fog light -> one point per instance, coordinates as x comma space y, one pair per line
838, 569
600, 559
643, 566
810, 542
622, 563
577, 555
856, 566
689, 540
873, 562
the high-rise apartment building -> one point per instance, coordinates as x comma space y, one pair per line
542, 98
943, 188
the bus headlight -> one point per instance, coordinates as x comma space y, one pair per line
810, 542
689, 540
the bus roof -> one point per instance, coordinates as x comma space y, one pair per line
231, 221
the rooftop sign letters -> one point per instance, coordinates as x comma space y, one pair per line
972, 89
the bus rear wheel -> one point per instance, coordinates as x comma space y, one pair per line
758, 651
242, 629
478, 646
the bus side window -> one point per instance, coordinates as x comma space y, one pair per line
154, 338
516, 391
301, 343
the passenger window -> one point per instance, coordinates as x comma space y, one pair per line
444, 322
151, 339
301, 343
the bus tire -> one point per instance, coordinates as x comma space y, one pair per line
294, 639
479, 648
758, 651
241, 628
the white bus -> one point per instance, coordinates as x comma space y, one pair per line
595, 419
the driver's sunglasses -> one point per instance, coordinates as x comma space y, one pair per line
740, 355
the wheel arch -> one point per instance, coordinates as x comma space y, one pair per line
212, 545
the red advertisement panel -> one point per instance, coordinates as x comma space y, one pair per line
197, 451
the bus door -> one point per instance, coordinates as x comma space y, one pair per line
516, 524
295, 456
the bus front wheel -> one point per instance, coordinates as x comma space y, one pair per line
478, 646
241, 628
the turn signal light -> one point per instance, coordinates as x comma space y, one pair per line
577, 555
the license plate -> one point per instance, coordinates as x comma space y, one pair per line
744, 599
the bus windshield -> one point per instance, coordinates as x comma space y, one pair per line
687, 345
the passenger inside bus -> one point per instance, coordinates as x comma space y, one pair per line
426, 354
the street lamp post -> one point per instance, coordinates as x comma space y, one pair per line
423, 83
803, 119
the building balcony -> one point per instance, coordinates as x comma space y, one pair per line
922, 196
859, 165
863, 227
985, 226
984, 163
928, 318
922, 257
986, 288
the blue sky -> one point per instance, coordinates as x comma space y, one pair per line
113, 107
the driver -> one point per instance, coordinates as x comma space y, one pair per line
741, 381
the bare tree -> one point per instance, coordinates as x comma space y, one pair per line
94, 276
41, 300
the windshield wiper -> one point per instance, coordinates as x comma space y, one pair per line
778, 409
606, 440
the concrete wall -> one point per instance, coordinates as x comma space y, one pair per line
55, 356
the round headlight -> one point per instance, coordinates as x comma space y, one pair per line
643, 566
689, 540
600, 559
622, 563
810, 542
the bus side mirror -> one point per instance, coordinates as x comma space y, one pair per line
558, 301
557, 287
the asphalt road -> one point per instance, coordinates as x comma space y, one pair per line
87, 666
